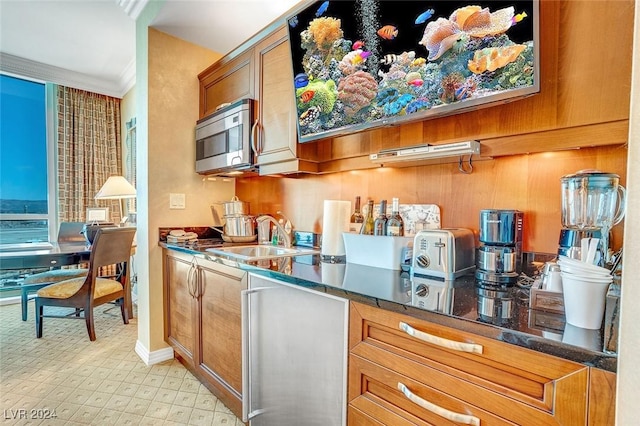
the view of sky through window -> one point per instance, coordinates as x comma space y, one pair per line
23, 154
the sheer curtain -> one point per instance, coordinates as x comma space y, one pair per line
89, 151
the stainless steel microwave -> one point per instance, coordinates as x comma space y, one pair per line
223, 139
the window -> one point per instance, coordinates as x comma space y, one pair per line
27, 204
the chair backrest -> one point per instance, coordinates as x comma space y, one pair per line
110, 246
71, 232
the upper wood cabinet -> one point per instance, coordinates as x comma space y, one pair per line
276, 143
227, 80
262, 72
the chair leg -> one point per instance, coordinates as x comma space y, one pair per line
39, 313
24, 299
88, 317
124, 310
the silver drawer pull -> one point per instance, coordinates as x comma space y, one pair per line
442, 412
439, 341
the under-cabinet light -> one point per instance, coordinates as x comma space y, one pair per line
426, 152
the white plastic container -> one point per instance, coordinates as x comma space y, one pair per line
377, 251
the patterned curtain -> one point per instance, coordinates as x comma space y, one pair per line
89, 151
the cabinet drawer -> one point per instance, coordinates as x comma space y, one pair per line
549, 384
379, 393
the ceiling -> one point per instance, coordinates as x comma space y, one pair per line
90, 44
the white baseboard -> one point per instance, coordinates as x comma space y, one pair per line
154, 357
9, 300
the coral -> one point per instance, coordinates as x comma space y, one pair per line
450, 83
386, 95
412, 76
417, 105
439, 36
490, 59
356, 91
394, 108
324, 97
324, 32
460, 16
484, 23
352, 62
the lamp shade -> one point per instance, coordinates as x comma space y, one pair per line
116, 187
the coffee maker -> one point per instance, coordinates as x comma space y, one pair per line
499, 262
500, 253
592, 203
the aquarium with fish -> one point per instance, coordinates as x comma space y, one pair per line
367, 63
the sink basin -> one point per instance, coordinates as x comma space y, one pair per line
261, 252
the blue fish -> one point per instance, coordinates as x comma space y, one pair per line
322, 9
293, 22
422, 18
300, 80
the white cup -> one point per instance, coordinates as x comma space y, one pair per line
584, 301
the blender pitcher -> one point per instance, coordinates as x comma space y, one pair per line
592, 200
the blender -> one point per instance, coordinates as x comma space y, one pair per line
592, 203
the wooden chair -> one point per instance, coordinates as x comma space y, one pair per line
69, 232
110, 246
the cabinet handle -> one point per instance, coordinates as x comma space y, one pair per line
254, 138
190, 280
439, 341
248, 412
437, 410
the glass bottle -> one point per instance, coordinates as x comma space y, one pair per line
380, 224
395, 224
367, 227
357, 219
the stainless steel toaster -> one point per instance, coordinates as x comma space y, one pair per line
443, 253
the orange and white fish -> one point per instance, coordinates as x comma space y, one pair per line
388, 32
307, 95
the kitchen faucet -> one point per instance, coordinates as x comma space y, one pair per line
263, 230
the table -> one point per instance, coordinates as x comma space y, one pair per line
62, 254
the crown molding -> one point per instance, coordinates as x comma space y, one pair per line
48, 73
133, 8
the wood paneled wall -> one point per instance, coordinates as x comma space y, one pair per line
529, 182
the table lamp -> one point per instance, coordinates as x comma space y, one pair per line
116, 188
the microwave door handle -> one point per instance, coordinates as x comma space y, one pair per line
254, 138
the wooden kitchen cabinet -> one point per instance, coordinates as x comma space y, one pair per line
457, 374
203, 322
220, 335
227, 80
602, 397
179, 305
277, 147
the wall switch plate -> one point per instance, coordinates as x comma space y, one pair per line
177, 201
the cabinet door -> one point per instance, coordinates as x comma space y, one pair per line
277, 141
180, 307
602, 397
295, 344
226, 82
220, 360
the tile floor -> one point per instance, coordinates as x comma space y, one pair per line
100, 383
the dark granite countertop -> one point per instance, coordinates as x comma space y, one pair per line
453, 304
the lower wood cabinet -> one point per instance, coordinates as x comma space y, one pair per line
403, 370
203, 322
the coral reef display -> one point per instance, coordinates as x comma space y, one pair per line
361, 61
